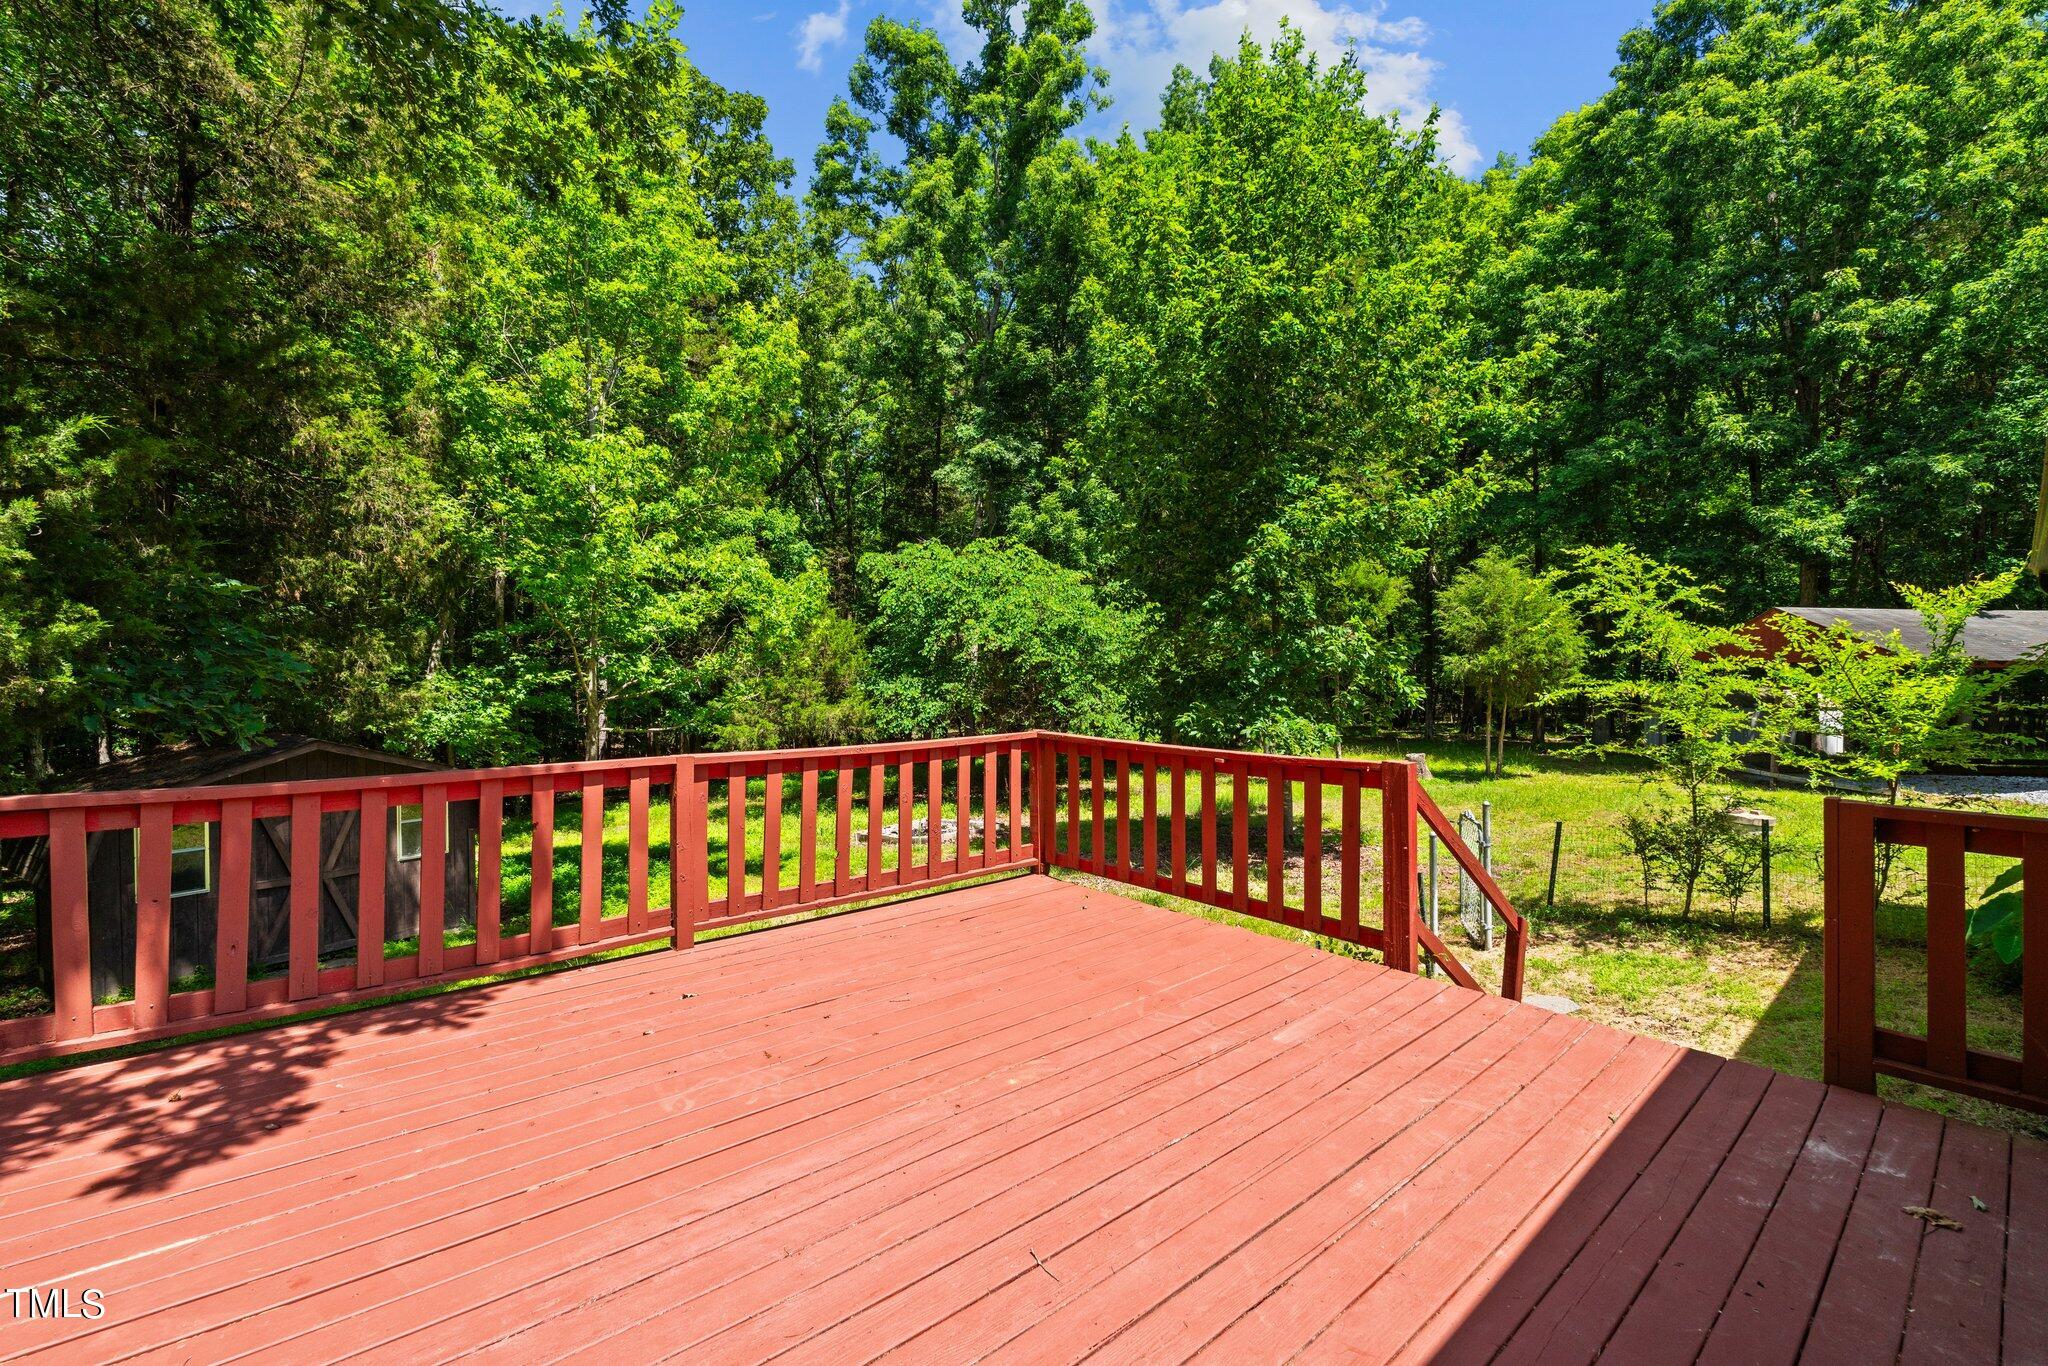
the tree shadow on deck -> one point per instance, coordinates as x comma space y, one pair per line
1747, 1214
138, 1125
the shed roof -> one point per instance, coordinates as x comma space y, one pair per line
192, 765
1999, 637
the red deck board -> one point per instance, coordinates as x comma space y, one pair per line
1024, 1118
1862, 1308
1501, 1192
255, 1206
1503, 1283
1765, 1317
1296, 1212
1955, 1314
568, 1232
1677, 1307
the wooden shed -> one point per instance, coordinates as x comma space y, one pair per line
195, 871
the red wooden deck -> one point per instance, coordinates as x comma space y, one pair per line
1022, 1120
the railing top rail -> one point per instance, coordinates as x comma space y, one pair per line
455, 777
582, 768
1894, 815
1369, 768
796, 758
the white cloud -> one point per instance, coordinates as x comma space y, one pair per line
1141, 41
823, 29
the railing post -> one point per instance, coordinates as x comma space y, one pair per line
1042, 767
1849, 946
1397, 865
689, 891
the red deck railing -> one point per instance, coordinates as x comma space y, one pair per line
1857, 1047
1122, 781
858, 837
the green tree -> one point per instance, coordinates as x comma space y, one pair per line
1779, 297
615, 408
944, 372
1512, 639
1281, 407
1681, 694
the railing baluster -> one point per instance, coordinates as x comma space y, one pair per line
842, 829
1148, 811
434, 877
152, 917
735, 840
906, 819
1312, 850
1178, 776
689, 874
1098, 782
1210, 875
934, 815
991, 810
1123, 812
1240, 835
590, 848
636, 852
1016, 799
303, 974
1347, 859
372, 849
1947, 953
231, 910
490, 882
1044, 763
1276, 845
807, 837
877, 800
1074, 809
771, 838
540, 902
1398, 815
70, 925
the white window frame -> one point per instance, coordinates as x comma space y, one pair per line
417, 819
205, 850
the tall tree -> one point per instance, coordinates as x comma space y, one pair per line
1280, 404
1780, 296
953, 276
1513, 640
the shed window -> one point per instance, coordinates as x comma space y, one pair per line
191, 858
412, 833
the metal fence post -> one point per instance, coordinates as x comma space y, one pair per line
1767, 871
1557, 847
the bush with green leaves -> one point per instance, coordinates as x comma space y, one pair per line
1681, 695
995, 637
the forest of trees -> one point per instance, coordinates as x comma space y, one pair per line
394, 371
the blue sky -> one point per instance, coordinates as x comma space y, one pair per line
1501, 69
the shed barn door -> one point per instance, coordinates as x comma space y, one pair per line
270, 893
340, 870
270, 887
